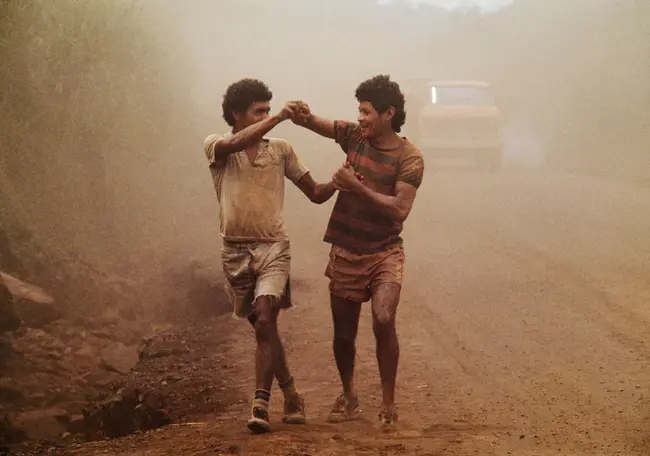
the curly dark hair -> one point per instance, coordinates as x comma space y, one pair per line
241, 95
383, 93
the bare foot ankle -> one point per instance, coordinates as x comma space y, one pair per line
344, 408
388, 416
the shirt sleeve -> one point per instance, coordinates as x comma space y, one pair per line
294, 169
347, 135
208, 147
411, 170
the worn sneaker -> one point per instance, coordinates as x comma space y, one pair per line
344, 409
294, 410
388, 417
258, 423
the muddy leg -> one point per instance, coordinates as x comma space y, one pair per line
345, 314
268, 341
385, 299
281, 367
266, 333
270, 348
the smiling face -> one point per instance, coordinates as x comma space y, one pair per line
373, 123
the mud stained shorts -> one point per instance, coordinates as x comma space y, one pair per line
355, 276
256, 269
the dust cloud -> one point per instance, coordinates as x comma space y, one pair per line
105, 106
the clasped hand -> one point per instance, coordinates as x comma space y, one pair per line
346, 178
298, 111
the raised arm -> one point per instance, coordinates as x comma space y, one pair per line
305, 118
346, 134
222, 147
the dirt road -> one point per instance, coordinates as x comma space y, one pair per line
524, 327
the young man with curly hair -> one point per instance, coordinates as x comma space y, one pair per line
248, 170
377, 183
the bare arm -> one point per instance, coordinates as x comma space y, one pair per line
246, 137
317, 193
320, 125
396, 207
305, 118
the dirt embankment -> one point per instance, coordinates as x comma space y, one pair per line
72, 371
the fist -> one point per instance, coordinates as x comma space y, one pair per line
302, 112
346, 178
290, 110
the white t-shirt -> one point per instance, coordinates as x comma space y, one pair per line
251, 195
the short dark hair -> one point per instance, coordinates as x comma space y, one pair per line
383, 93
241, 95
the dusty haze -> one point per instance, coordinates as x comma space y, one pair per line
105, 107
523, 320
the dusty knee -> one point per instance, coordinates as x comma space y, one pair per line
265, 327
264, 319
383, 323
384, 307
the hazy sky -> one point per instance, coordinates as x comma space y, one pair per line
485, 6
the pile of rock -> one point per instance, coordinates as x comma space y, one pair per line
128, 411
56, 371
21, 305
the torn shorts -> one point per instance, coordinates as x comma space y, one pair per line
256, 269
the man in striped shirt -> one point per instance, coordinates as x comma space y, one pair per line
377, 186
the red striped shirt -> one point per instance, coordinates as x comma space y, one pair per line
355, 225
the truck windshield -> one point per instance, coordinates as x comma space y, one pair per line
461, 96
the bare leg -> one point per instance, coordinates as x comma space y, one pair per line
385, 299
280, 367
266, 333
271, 360
268, 341
345, 314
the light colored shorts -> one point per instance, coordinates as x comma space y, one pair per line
256, 269
355, 276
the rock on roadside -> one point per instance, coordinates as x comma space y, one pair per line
42, 425
9, 319
31, 303
120, 358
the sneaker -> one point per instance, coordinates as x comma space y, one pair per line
344, 409
294, 410
388, 417
258, 423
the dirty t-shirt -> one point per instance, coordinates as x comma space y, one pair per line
354, 224
251, 195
